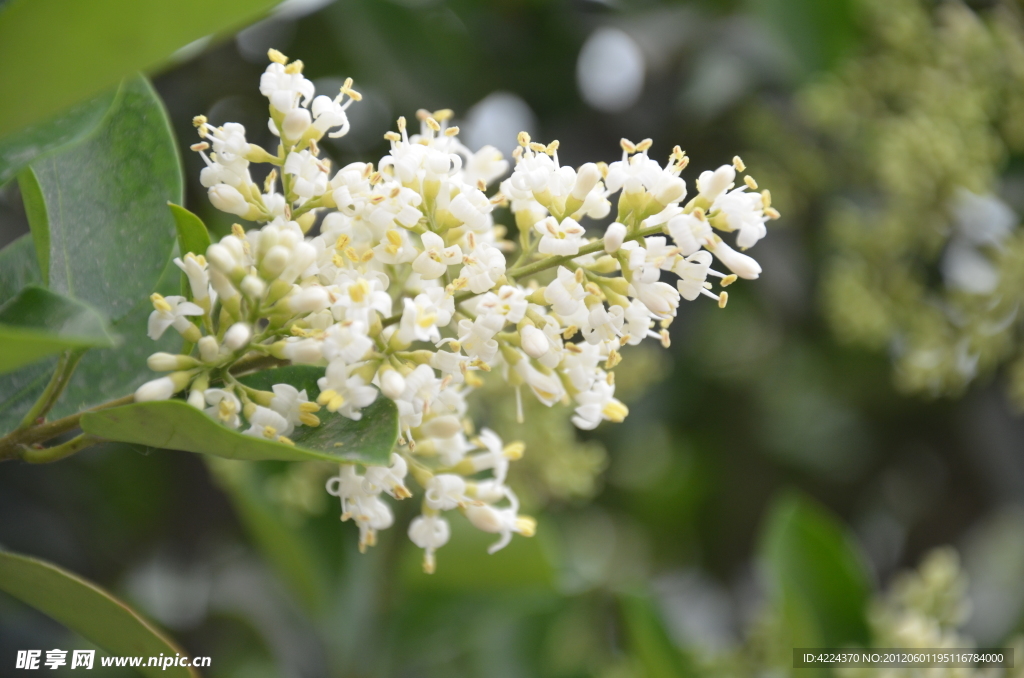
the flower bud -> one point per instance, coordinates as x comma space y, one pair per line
534, 341
221, 258
309, 300
586, 179
237, 336
442, 427
162, 388
484, 518
303, 351
274, 262
392, 384
208, 349
296, 122
167, 362
228, 199
614, 237
670, 191
253, 287
738, 263
197, 399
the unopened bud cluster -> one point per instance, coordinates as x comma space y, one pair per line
411, 291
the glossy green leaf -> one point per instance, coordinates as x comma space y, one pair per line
38, 323
100, 42
18, 267
648, 640
18, 150
285, 548
39, 222
106, 205
87, 609
103, 373
192, 234
173, 424
818, 576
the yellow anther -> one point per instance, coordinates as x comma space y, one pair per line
592, 288
526, 526
401, 123
338, 261
347, 89
580, 276
238, 231
627, 145
359, 291
538, 147
269, 432
294, 67
524, 139
614, 358
444, 114
666, 340
276, 56
570, 332
552, 147
392, 136
201, 146
159, 303
394, 237
699, 213
737, 162
309, 419
772, 213
615, 411
749, 181
644, 145
766, 198
723, 299
351, 253
199, 120
514, 450
268, 184
602, 167
325, 396
729, 279
286, 440
432, 124
367, 255
451, 132
342, 242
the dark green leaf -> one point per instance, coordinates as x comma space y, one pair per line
18, 267
175, 425
106, 203
39, 222
818, 575
819, 34
38, 323
18, 150
87, 609
100, 42
648, 640
286, 548
192, 234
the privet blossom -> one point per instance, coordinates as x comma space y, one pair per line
411, 290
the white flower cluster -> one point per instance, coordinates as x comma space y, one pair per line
407, 291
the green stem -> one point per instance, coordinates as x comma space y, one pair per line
12, 444
58, 382
58, 452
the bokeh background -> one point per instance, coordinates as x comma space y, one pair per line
869, 383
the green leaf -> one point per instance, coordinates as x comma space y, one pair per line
38, 323
285, 547
818, 575
819, 34
106, 205
173, 424
18, 150
35, 209
648, 640
100, 42
88, 610
192, 234
18, 267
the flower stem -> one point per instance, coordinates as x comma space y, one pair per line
58, 382
58, 452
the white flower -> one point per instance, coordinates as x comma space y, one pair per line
344, 393
303, 351
328, 113
309, 172
228, 199
509, 302
359, 298
238, 336
419, 320
429, 532
266, 423
603, 324
496, 457
294, 405
392, 384
306, 300
157, 389
502, 521
486, 165
598, 404
171, 311
712, 184
224, 406
660, 298
638, 323
473, 209
693, 272
477, 336
534, 341
445, 491
195, 270
365, 508
436, 258
560, 239
743, 212
547, 387
689, 233
565, 292
738, 263
484, 265
284, 88
388, 478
